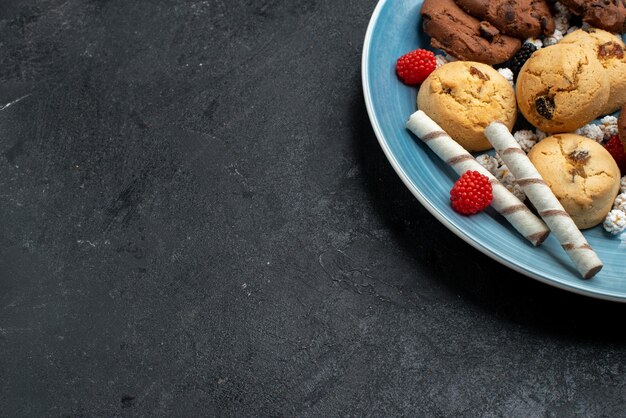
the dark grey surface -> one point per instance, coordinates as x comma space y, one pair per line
196, 219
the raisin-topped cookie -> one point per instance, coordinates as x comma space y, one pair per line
561, 88
463, 36
604, 14
580, 173
518, 18
611, 52
463, 97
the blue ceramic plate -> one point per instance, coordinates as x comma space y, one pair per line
395, 29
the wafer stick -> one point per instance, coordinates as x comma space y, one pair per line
509, 206
549, 207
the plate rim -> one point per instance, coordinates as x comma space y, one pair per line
610, 296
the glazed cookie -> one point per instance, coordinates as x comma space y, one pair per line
610, 51
604, 14
518, 18
561, 88
580, 173
464, 37
463, 97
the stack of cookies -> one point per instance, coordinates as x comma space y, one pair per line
488, 31
565, 86
491, 31
560, 90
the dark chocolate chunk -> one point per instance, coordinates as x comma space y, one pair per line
488, 31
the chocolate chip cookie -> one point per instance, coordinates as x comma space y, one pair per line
463, 36
609, 15
518, 18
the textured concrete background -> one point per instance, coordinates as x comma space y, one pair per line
196, 219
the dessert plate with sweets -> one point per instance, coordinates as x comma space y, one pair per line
540, 76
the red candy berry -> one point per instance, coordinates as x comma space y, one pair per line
414, 67
615, 147
471, 193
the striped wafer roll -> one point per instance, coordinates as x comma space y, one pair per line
549, 207
516, 212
